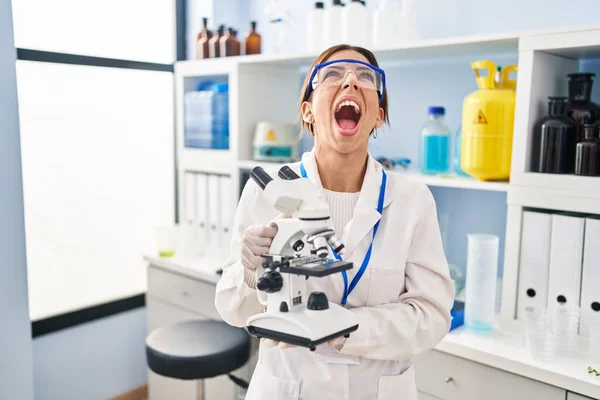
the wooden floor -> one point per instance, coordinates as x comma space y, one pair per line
139, 393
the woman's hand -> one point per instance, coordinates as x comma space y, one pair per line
256, 241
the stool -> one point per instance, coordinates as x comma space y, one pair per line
198, 349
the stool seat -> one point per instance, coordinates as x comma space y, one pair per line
197, 349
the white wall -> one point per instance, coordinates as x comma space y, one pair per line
93, 361
15, 336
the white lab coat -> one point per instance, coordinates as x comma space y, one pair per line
402, 302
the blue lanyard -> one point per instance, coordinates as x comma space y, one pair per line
363, 267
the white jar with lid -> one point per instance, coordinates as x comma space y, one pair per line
333, 23
356, 24
314, 25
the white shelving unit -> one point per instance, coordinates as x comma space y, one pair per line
265, 87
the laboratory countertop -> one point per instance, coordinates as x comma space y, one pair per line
506, 351
502, 349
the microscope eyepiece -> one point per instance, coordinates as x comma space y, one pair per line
287, 173
260, 177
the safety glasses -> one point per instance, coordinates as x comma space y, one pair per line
333, 74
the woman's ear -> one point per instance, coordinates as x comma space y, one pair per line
306, 110
380, 116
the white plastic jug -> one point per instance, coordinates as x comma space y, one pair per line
386, 20
480, 290
314, 28
356, 24
333, 24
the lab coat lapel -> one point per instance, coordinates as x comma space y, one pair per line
365, 213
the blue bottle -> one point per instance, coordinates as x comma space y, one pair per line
206, 117
435, 143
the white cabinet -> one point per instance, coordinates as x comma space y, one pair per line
173, 298
575, 396
453, 378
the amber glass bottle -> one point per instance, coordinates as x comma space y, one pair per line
202, 41
252, 40
214, 44
237, 45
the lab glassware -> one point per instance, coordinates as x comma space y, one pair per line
435, 143
540, 339
167, 238
480, 290
566, 327
595, 343
581, 109
587, 155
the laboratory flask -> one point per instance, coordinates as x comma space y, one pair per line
482, 269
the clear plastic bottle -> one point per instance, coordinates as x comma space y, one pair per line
356, 24
435, 143
315, 27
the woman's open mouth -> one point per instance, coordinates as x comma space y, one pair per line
347, 116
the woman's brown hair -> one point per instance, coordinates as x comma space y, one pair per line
324, 56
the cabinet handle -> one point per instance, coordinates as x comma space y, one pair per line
449, 379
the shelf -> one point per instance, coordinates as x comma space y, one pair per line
457, 182
430, 180
206, 160
573, 185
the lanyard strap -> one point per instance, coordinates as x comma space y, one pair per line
363, 266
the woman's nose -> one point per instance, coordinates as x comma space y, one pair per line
350, 81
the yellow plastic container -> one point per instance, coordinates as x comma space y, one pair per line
487, 124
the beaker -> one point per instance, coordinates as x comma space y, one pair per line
480, 291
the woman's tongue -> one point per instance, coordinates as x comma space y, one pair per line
347, 118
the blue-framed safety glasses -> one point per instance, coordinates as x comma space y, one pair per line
333, 73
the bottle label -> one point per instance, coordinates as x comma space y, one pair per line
480, 118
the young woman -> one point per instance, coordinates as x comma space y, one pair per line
404, 295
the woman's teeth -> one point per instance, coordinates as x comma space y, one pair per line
348, 103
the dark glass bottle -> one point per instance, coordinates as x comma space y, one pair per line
214, 45
553, 146
227, 43
587, 161
237, 45
253, 40
580, 108
202, 41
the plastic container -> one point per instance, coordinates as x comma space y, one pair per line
167, 240
386, 23
435, 143
332, 29
594, 349
580, 108
540, 339
407, 25
206, 114
480, 290
487, 124
356, 24
315, 27
566, 327
553, 148
587, 155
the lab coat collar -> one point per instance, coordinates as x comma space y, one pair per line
365, 213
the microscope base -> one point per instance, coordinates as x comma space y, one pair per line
297, 340
303, 327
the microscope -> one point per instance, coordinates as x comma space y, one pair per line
291, 316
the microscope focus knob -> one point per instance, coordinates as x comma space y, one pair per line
318, 301
270, 282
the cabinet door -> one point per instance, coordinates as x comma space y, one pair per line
425, 396
454, 378
163, 388
575, 396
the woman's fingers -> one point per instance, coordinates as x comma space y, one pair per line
273, 343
